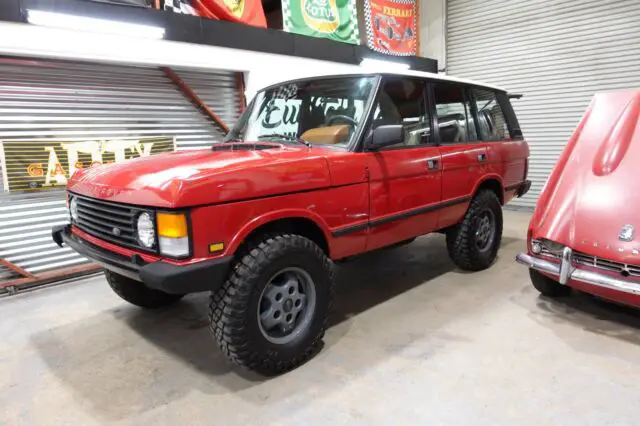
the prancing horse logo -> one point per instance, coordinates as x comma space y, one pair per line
626, 233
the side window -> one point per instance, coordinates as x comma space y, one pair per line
455, 121
402, 101
491, 122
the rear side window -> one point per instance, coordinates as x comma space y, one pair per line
455, 121
509, 115
492, 124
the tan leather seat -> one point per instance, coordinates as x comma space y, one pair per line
327, 135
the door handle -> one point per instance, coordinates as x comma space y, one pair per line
482, 157
432, 164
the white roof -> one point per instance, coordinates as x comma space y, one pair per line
413, 73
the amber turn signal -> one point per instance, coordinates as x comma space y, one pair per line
216, 247
172, 225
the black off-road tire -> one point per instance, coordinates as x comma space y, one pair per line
461, 242
138, 294
547, 286
233, 308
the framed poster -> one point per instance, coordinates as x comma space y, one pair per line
392, 26
42, 165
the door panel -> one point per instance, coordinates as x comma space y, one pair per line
462, 168
405, 183
464, 158
403, 188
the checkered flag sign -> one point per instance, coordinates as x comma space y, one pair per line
333, 19
391, 26
180, 6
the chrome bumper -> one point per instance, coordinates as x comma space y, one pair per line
565, 271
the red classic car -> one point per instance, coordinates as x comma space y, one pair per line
582, 233
315, 171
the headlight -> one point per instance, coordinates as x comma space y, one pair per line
536, 247
73, 209
146, 230
173, 234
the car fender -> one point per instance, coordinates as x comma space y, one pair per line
486, 178
273, 216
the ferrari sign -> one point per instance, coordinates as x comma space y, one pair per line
248, 12
391, 26
333, 19
42, 165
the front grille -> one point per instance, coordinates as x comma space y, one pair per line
596, 262
108, 221
579, 258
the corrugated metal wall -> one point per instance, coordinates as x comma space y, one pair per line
65, 101
557, 53
219, 90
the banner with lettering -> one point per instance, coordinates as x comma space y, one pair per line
45, 165
392, 26
333, 19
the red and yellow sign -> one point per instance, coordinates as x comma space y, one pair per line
42, 165
392, 26
248, 12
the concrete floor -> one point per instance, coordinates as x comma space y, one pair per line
414, 341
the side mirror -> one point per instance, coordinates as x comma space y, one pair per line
386, 135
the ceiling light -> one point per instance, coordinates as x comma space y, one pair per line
380, 64
83, 23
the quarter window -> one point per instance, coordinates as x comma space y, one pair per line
491, 122
455, 121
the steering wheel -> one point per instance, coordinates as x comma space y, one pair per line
346, 118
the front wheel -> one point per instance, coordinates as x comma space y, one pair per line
272, 312
473, 243
546, 286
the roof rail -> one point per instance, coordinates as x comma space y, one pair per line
515, 95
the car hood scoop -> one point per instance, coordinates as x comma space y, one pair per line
243, 146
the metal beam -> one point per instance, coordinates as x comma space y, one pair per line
194, 98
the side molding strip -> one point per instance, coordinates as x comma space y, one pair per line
404, 215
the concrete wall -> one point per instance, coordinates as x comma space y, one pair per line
433, 29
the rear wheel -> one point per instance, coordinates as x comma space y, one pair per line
137, 293
271, 314
473, 243
547, 286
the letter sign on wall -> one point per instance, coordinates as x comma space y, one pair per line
391, 26
43, 165
333, 19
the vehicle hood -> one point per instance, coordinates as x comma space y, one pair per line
592, 192
190, 178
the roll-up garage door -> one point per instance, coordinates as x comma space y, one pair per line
556, 53
57, 101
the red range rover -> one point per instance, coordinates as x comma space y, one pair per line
315, 171
582, 233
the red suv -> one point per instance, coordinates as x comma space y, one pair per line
315, 171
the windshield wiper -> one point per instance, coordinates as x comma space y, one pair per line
285, 137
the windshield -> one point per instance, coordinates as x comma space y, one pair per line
321, 111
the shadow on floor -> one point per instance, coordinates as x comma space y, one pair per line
126, 361
377, 277
594, 315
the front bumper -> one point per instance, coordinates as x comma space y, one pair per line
175, 279
565, 271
